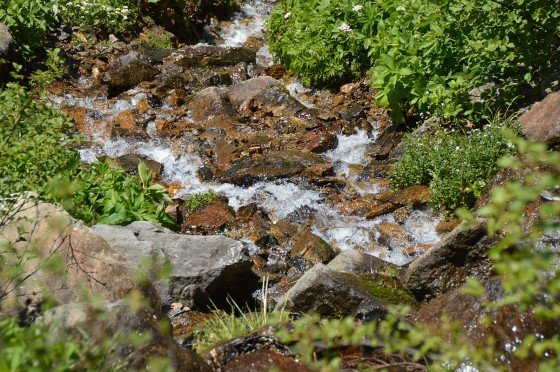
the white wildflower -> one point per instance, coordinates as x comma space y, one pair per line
344, 27
400, 9
287, 15
357, 8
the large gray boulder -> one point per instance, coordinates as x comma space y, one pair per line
446, 266
205, 269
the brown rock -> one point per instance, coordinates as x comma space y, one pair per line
129, 123
128, 71
411, 196
363, 207
276, 71
210, 55
254, 43
79, 115
542, 121
447, 226
226, 154
247, 89
319, 170
380, 209
445, 266
176, 97
507, 326
312, 247
386, 143
212, 108
320, 141
264, 360
210, 218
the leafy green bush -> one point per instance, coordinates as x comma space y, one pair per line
425, 55
36, 154
28, 21
112, 16
110, 196
455, 165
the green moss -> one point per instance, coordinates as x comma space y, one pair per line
385, 287
200, 199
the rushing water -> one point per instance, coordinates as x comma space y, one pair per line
279, 198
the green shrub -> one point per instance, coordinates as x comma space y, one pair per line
425, 55
28, 21
456, 166
110, 196
111, 16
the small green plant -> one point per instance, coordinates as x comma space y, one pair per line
110, 196
454, 165
197, 200
54, 64
159, 38
28, 21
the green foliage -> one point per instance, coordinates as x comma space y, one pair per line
111, 16
197, 200
36, 154
34, 147
425, 55
529, 275
28, 21
454, 165
110, 196
159, 38
45, 348
54, 64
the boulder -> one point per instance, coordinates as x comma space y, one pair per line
542, 121
264, 361
320, 141
110, 319
327, 292
6, 41
247, 89
129, 70
83, 262
210, 218
210, 55
204, 269
507, 326
445, 266
313, 248
271, 166
354, 262
212, 108
277, 101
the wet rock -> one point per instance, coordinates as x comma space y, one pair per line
277, 101
276, 71
155, 55
386, 143
507, 325
264, 360
319, 170
210, 55
542, 121
176, 97
129, 163
211, 107
210, 218
221, 79
355, 262
129, 70
274, 165
261, 340
129, 123
311, 247
364, 206
120, 319
445, 266
204, 268
225, 154
447, 226
238, 72
411, 196
402, 214
320, 141
330, 293
247, 89
89, 262
254, 43
380, 209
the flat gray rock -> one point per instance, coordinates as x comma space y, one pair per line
204, 269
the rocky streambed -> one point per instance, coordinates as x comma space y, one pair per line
299, 187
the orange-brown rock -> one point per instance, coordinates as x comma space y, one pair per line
320, 141
311, 247
263, 361
363, 207
176, 97
128, 122
319, 170
542, 121
412, 196
447, 226
210, 218
380, 210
